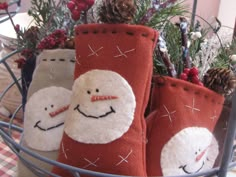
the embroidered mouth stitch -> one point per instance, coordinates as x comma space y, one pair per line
46, 129
187, 172
95, 117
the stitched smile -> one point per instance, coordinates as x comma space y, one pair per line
184, 169
95, 117
46, 129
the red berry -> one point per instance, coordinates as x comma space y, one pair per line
20, 62
89, 2
82, 6
195, 79
17, 28
193, 71
183, 76
75, 15
71, 5
186, 70
3, 6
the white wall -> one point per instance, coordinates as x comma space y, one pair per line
227, 12
207, 9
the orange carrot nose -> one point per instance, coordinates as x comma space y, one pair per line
102, 97
58, 111
201, 154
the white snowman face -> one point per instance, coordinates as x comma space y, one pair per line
190, 151
45, 114
102, 107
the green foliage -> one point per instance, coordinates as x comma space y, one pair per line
173, 40
42, 11
160, 20
222, 60
159, 17
195, 46
142, 8
158, 65
49, 16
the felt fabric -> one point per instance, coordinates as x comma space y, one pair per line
127, 51
179, 129
23, 171
45, 113
100, 99
53, 68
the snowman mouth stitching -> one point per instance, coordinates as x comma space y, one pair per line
95, 117
187, 172
46, 129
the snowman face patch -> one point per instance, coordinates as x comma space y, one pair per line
45, 114
102, 107
190, 151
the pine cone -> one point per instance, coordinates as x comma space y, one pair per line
117, 11
70, 43
220, 80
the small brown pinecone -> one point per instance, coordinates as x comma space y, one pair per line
117, 11
70, 43
220, 80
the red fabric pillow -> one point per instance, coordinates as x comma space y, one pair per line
124, 54
180, 139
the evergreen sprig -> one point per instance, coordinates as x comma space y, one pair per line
222, 59
165, 14
149, 15
41, 11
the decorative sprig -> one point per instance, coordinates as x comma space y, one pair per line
155, 14
183, 26
162, 48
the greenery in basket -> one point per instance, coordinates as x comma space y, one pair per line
182, 51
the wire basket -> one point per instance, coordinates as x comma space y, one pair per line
6, 130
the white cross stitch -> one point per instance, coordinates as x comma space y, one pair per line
64, 151
94, 52
123, 53
168, 113
91, 163
124, 159
77, 60
214, 116
193, 108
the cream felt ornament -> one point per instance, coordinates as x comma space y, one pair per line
45, 113
54, 68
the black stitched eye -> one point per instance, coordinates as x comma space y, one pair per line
88, 92
45, 108
196, 153
52, 106
97, 90
199, 150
